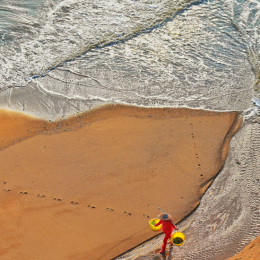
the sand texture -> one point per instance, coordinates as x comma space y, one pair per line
227, 219
251, 252
85, 187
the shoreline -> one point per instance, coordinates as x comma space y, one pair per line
44, 126
252, 250
138, 143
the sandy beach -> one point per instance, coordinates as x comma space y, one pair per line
252, 251
86, 187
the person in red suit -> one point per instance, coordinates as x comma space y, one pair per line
167, 227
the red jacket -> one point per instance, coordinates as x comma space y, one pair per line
167, 226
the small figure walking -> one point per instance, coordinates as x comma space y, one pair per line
167, 227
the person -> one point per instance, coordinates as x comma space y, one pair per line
167, 227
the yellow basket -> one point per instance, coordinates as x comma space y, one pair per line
178, 238
153, 222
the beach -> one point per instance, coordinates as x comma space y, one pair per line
86, 187
252, 251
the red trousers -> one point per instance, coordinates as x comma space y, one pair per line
166, 237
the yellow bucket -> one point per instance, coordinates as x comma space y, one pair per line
178, 238
153, 222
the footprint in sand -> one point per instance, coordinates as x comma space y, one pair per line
146, 215
41, 196
92, 207
24, 192
108, 209
74, 202
56, 199
159, 257
6, 190
128, 213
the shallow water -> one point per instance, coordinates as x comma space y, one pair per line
81, 54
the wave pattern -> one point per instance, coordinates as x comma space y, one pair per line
228, 216
67, 29
204, 56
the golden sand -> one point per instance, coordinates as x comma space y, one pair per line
85, 188
251, 252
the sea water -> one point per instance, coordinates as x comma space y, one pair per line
62, 57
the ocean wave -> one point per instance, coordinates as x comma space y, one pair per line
67, 29
200, 56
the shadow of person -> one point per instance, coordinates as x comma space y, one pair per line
163, 256
170, 253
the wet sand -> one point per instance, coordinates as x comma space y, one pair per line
86, 187
251, 252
